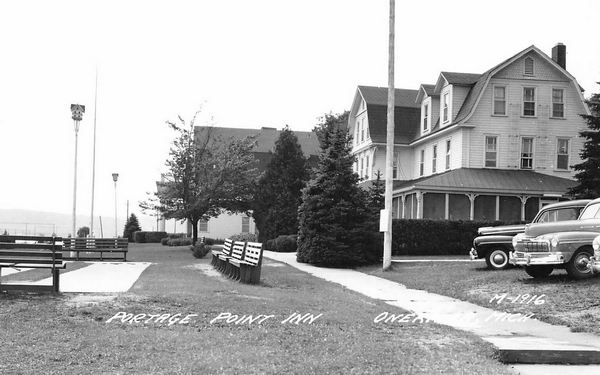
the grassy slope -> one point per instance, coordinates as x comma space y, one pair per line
567, 302
51, 334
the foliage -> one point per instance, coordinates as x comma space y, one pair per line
83, 232
180, 242
5, 233
286, 244
434, 237
589, 170
200, 250
244, 237
165, 241
148, 237
333, 216
206, 176
132, 225
279, 191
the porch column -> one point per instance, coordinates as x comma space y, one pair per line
497, 207
447, 208
472, 197
419, 205
523, 202
403, 197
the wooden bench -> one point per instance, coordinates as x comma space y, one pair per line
219, 259
248, 267
33, 252
237, 254
92, 247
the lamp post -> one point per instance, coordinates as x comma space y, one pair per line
115, 177
77, 111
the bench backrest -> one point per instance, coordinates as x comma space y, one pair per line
237, 251
253, 253
227, 247
30, 250
94, 243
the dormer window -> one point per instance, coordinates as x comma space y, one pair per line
528, 66
425, 117
445, 109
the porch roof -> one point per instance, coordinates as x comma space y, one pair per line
492, 181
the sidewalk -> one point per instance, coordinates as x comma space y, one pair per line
528, 341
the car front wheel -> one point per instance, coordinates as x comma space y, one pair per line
538, 271
577, 266
497, 259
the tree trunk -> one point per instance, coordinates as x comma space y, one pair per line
194, 230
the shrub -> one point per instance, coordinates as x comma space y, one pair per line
200, 250
177, 235
270, 245
286, 244
164, 241
149, 237
179, 241
246, 237
434, 237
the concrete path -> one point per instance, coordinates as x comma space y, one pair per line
520, 340
99, 277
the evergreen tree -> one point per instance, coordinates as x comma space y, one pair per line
83, 232
333, 215
279, 190
131, 226
589, 170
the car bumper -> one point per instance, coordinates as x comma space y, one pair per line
518, 258
473, 254
594, 265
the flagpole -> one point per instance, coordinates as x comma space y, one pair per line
94, 155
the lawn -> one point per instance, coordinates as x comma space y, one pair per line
561, 300
79, 333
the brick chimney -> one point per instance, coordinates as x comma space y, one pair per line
559, 54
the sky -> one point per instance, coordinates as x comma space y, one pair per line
244, 64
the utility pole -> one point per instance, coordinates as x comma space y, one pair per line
94, 156
386, 219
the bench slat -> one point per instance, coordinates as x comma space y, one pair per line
5, 238
7, 245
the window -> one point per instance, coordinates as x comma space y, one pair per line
448, 147
245, 224
491, 151
499, 100
395, 167
367, 168
362, 130
527, 153
558, 104
203, 225
434, 159
562, 154
445, 107
356, 139
425, 117
528, 66
362, 167
422, 163
529, 101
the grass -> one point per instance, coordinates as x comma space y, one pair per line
70, 333
569, 302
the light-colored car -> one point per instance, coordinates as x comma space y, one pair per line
563, 244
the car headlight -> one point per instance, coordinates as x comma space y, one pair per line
596, 243
554, 241
516, 239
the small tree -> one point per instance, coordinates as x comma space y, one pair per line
206, 176
333, 215
83, 232
589, 170
132, 225
5, 233
279, 191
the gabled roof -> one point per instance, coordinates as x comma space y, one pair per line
453, 78
265, 137
425, 90
378, 96
493, 180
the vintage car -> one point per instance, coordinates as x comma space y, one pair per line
562, 244
495, 243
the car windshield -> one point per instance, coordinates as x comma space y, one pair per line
591, 212
560, 214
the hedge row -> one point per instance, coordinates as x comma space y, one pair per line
283, 244
148, 237
434, 237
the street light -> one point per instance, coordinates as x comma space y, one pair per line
77, 111
115, 177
